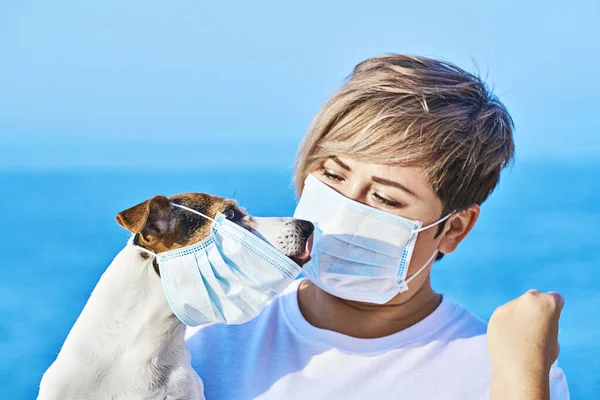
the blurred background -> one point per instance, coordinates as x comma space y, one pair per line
105, 104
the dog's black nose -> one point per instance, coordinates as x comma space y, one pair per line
306, 227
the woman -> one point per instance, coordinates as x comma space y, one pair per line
392, 172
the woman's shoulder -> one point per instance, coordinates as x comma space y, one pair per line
464, 319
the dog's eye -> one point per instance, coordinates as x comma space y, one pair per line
230, 214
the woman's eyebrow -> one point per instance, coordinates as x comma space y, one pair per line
395, 184
340, 163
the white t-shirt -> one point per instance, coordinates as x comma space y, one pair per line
280, 356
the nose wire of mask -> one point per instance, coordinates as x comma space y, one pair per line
226, 278
359, 252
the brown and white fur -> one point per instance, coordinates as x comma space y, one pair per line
127, 343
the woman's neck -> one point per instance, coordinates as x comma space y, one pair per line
366, 320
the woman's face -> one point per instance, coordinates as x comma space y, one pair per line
404, 191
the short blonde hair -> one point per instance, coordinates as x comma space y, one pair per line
416, 111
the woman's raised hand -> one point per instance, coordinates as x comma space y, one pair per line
523, 344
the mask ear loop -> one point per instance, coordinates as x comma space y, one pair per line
184, 208
413, 276
439, 221
193, 211
147, 251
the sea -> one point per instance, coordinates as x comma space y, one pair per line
539, 229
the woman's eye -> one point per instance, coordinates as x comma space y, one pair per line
332, 176
389, 203
230, 214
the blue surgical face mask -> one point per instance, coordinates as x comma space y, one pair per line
228, 277
359, 252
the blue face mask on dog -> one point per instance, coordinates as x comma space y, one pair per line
228, 277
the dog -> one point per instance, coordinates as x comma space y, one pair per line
127, 343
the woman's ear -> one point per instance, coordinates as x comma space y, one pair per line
458, 227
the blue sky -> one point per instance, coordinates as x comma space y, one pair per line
190, 83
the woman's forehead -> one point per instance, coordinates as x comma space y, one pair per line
373, 168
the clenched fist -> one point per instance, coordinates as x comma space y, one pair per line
523, 345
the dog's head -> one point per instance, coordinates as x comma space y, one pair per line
159, 226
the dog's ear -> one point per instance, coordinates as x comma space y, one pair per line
148, 218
